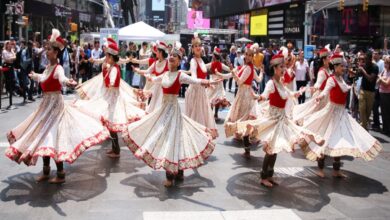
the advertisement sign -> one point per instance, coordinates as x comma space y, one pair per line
220, 8
275, 23
109, 32
195, 20
258, 26
309, 51
293, 24
115, 8
158, 5
62, 11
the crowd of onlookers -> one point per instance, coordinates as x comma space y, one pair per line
367, 71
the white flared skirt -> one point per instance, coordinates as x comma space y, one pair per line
57, 129
168, 139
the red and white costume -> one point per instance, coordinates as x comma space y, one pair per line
57, 129
94, 88
156, 69
166, 138
216, 93
342, 134
302, 111
196, 101
244, 105
274, 127
112, 101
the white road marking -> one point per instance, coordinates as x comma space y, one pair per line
274, 214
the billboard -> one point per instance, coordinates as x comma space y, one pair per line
195, 20
220, 8
258, 25
109, 32
158, 5
115, 8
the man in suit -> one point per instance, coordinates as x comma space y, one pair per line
128, 6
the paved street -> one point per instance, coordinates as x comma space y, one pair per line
227, 187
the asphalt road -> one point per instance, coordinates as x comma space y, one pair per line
227, 187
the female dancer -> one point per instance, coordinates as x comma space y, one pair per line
56, 129
216, 94
157, 68
94, 87
290, 83
166, 138
274, 128
114, 104
197, 103
302, 111
244, 105
342, 134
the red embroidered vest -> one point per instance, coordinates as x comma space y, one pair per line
51, 84
287, 78
151, 61
199, 72
163, 71
336, 95
216, 65
174, 89
249, 80
275, 99
322, 87
106, 76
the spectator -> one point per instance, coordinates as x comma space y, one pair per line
369, 72
375, 109
8, 58
96, 54
238, 62
384, 92
232, 57
131, 53
301, 75
27, 66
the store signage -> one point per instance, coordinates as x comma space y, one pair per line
109, 32
258, 23
293, 23
84, 17
16, 8
61, 11
292, 30
275, 22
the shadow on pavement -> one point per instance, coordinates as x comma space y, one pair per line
254, 163
96, 161
80, 186
302, 191
151, 185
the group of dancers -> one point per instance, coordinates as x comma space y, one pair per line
163, 137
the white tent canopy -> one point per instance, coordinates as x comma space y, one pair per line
140, 31
243, 40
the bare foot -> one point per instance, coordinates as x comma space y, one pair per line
113, 155
168, 183
246, 155
42, 178
266, 183
109, 151
320, 173
57, 180
272, 180
339, 174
